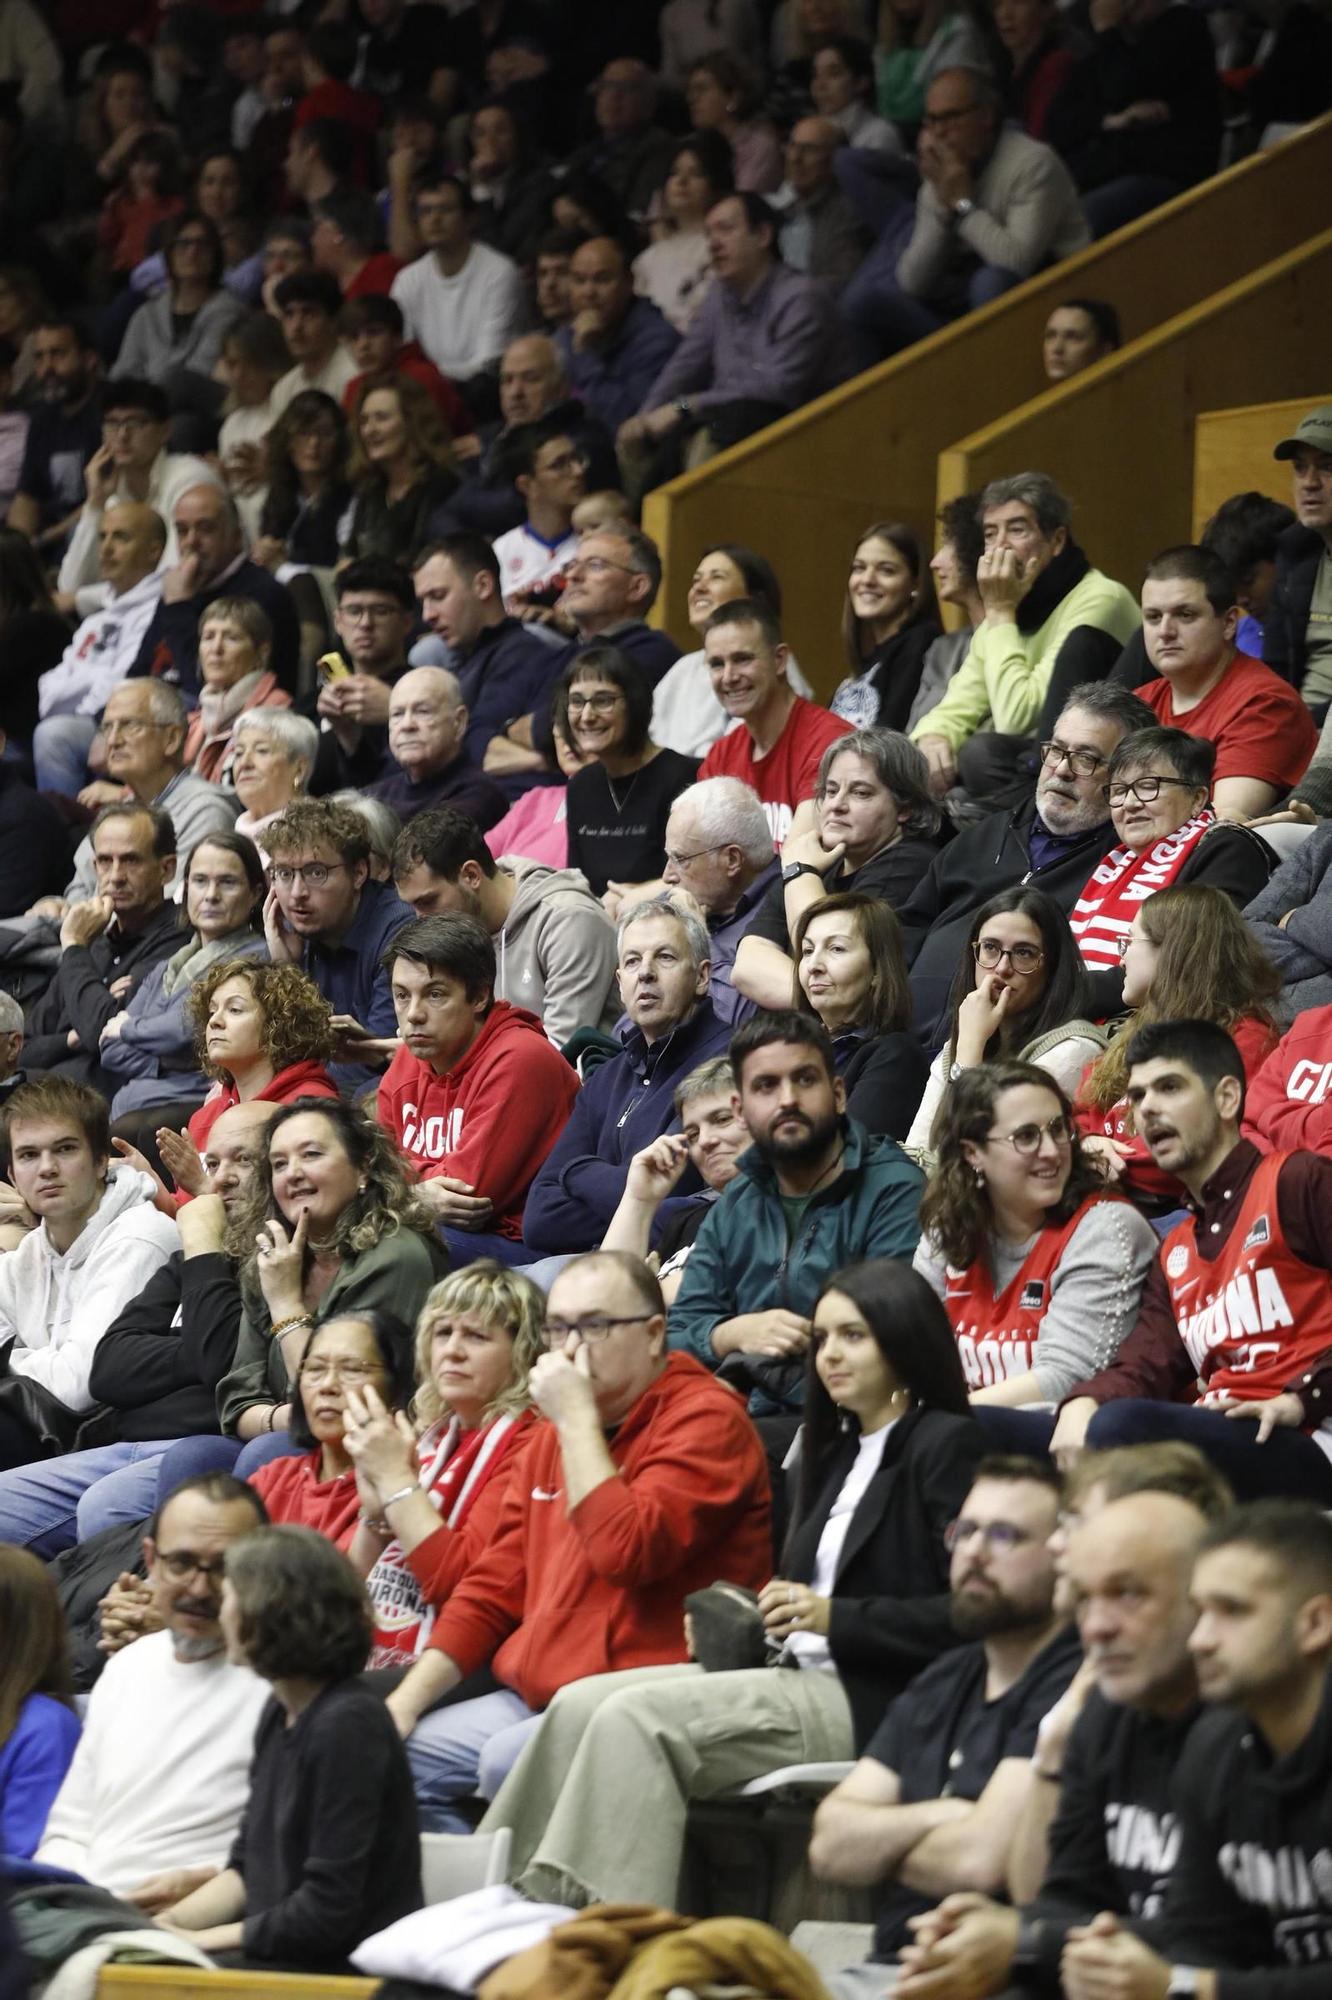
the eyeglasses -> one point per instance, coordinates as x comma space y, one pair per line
989, 953
595, 704
995, 1534
314, 873
568, 461
127, 426
595, 566
132, 728
180, 1563
368, 614
1122, 944
597, 1326
326, 1370
1145, 790
1082, 763
683, 860
1026, 1140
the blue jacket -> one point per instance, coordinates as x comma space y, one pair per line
349, 977
613, 381
624, 1105
33, 1761
507, 673
743, 1260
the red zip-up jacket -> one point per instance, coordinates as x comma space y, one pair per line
491, 1119
561, 1595
1289, 1103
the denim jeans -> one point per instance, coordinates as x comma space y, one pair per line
60, 747
455, 1752
49, 1506
190, 1457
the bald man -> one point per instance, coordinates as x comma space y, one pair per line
532, 384
211, 562
1114, 1837
427, 721
70, 697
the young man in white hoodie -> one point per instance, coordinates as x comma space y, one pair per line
97, 1241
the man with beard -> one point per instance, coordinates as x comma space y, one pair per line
65, 431
153, 1799
928, 1808
1241, 1297
815, 1192
1052, 842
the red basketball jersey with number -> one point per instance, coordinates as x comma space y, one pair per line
1257, 1316
996, 1337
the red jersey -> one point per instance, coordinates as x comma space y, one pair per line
996, 1337
1257, 1315
788, 772
1289, 1102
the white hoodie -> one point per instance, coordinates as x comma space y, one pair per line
60, 1306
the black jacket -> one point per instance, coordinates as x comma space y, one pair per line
890, 1604
985, 858
159, 1363
885, 1078
1286, 625
170, 647
79, 996
35, 845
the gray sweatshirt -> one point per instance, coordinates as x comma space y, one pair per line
556, 953
1302, 951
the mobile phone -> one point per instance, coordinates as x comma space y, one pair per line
332, 667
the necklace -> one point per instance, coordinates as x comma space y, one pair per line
618, 802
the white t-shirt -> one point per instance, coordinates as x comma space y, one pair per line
332, 378
810, 1649
527, 560
465, 322
162, 1771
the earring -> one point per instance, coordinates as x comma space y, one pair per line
980, 1177
361, 1189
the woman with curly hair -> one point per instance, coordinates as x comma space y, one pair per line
38, 1727
332, 1226
261, 1032
402, 468
430, 1503
1039, 1267
1188, 956
328, 1850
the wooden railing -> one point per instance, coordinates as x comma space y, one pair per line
1232, 451
803, 489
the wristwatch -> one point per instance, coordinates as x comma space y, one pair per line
683, 410
795, 869
962, 208
1185, 1981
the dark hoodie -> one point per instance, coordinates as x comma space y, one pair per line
491, 1119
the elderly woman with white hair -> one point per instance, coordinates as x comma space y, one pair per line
275, 751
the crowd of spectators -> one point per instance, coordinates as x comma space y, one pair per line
544, 1173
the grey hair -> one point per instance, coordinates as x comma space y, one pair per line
979, 81
1029, 489
710, 1079
1111, 703
166, 704
685, 912
11, 1015
382, 823
729, 813
295, 734
900, 768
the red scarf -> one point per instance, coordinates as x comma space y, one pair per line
1123, 882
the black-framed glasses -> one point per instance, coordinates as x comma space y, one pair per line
314, 873
990, 954
1082, 763
594, 704
180, 1563
1002, 1535
1145, 790
597, 1326
1026, 1139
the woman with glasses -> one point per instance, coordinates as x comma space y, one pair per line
1020, 995
432, 1483
402, 468
1040, 1269
889, 622
1188, 955
1157, 787
180, 332
859, 1606
851, 972
620, 801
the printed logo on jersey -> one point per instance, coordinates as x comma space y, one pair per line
1177, 1262
1032, 1297
1260, 1233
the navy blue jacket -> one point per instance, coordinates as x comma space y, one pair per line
624, 1105
507, 673
170, 648
613, 381
349, 977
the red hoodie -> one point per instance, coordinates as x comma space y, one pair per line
559, 1595
491, 1119
1288, 1106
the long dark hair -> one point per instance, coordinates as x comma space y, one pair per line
955, 1209
397, 1350
23, 584
284, 488
905, 542
911, 1332
1064, 994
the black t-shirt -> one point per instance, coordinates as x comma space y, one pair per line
945, 1740
890, 876
624, 841
60, 443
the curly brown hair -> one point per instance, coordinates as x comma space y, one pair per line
298, 1021
1211, 968
308, 823
955, 1210
422, 421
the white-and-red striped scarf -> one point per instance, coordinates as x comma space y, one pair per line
1120, 884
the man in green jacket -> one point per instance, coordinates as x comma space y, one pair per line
814, 1192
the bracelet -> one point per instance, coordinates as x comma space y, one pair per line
273, 1409
403, 1493
293, 1319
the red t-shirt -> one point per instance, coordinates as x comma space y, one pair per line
789, 771
375, 277
1289, 1104
1259, 725
296, 1496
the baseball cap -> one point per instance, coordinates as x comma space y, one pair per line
1314, 430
